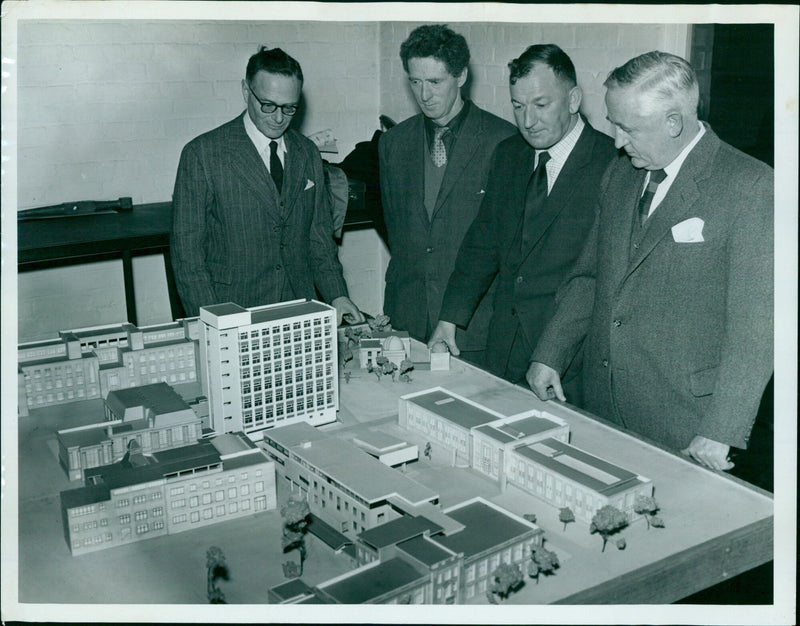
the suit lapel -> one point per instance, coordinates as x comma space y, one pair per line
294, 172
516, 206
681, 197
409, 149
562, 191
470, 138
247, 164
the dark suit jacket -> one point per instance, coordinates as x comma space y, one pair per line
424, 251
527, 277
679, 335
234, 239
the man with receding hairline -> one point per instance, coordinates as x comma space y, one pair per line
250, 224
538, 210
672, 296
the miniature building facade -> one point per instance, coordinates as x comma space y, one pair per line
88, 363
530, 451
186, 488
154, 416
267, 366
346, 487
413, 560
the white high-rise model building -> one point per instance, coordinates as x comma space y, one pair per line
269, 365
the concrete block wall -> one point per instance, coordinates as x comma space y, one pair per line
104, 108
595, 49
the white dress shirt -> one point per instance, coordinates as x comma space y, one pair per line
559, 153
261, 142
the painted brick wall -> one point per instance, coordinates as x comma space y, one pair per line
595, 49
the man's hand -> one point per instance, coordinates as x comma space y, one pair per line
445, 332
545, 382
346, 309
709, 453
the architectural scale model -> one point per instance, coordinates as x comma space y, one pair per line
529, 450
89, 363
154, 416
143, 497
271, 365
258, 367
345, 487
413, 560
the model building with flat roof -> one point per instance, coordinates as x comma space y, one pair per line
154, 416
270, 365
147, 496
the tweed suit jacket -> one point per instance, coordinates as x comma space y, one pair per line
424, 250
529, 276
679, 335
235, 239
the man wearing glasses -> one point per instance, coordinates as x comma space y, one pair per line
250, 223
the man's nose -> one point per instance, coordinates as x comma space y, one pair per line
620, 138
530, 117
425, 92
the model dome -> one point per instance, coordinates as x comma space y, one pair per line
393, 343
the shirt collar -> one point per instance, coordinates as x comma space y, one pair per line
259, 139
560, 151
454, 125
673, 168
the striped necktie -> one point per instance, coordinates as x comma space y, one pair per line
656, 178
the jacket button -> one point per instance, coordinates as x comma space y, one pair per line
604, 362
520, 279
617, 323
428, 249
513, 310
636, 246
277, 268
282, 246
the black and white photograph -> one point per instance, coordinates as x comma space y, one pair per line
454, 308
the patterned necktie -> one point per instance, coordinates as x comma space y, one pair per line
656, 178
537, 191
275, 165
438, 152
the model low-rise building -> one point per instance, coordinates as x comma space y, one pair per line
344, 486
147, 496
154, 416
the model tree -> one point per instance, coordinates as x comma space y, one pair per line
546, 560
216, 568
607, 521
379, 323
566, 516
405, 367
505, 579
647, 506
295, 514
533, 570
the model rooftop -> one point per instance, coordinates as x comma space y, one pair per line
519, 429
372, 581
485, 527
582, 467
212, 314
454, 408
346, 463
398, 530
424, 550
160, 398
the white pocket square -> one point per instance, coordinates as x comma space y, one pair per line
689, 231
309, 184
481, 192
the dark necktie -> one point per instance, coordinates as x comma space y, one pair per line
275, 166
438, 151
656, 178
537, 191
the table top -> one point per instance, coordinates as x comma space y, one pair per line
147, 226
715, 525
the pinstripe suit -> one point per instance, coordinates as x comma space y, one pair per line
235, 239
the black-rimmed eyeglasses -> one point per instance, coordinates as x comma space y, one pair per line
270, 107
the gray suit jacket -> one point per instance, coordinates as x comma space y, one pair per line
679, 336
424, 251
234, 239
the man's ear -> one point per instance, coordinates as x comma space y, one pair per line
575, 98
674, 123
462, 78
